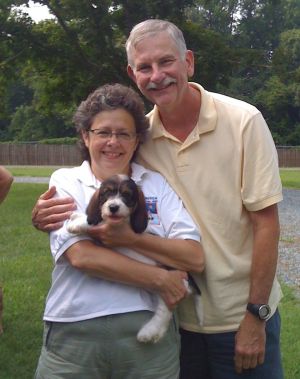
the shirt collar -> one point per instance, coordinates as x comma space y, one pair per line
138, 172
86, 176
207, 118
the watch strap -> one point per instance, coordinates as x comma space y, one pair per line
261, 311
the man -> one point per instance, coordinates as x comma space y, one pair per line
6, 180
219, 156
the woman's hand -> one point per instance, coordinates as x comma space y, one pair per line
167, 251
113, 233
170, 285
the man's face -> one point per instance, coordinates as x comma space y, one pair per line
159, 71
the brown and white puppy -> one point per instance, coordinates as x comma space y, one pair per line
120, 197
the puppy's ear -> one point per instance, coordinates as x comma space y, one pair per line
139, 218
93, 210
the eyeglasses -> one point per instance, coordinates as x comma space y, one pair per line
107, 134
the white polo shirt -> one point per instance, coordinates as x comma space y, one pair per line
226, 167
75, 295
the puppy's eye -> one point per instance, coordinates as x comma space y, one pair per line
128, 198
107, 192
126, 195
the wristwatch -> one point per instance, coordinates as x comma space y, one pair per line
261, 311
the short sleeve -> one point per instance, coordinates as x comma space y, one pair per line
66, 185
261, 183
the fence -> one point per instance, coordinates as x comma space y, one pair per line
68, 155
289, 156
39, 154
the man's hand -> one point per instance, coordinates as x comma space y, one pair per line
250, 342
173, 288
49, 214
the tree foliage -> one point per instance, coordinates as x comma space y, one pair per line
245, 48
280, 96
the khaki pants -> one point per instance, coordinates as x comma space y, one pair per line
107, 348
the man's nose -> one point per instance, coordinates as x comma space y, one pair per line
157, 74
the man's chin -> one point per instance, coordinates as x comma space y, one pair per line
162, 101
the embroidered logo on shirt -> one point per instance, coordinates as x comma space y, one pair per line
151, 205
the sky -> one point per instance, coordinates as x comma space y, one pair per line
36, 11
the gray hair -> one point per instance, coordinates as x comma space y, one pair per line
150, 28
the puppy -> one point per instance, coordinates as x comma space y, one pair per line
120, 197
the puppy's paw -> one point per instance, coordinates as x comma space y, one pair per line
77, 223
76, 215
151, 333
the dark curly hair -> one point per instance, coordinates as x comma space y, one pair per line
107, 98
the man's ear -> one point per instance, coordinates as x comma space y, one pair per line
130, 73
190, 63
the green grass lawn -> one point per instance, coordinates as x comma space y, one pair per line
290, 334
25, 274
290, 178
32, 170
25, 269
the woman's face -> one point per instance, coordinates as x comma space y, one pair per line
111, 142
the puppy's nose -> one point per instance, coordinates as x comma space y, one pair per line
113, 208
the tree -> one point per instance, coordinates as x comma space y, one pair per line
12, 51
220, 16
29, 125
291, 12
63, 59
213, 58
47, 68
280, 97
260, 24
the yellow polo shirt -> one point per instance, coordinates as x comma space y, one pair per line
227, 166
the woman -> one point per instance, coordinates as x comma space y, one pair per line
99, 298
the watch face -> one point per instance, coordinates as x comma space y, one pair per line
264, 311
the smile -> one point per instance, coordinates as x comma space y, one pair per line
110, 154
158, 88
166, 83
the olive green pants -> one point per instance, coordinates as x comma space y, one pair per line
107, 348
